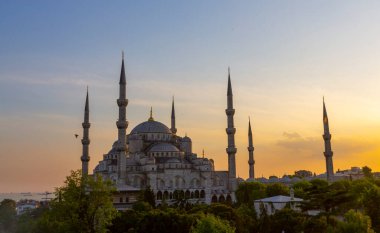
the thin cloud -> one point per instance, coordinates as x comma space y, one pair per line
313, 146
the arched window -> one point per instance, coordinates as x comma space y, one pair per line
176, 195
214, 199
181, 194
196, 194
159, 195
187, 194
222, 199
121, 200
203, 194
229, 199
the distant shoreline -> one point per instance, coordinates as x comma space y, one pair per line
38, 196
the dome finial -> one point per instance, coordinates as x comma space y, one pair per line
151, 114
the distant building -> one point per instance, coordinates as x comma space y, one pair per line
24, 206
276, 203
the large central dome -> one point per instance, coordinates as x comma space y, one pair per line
151, 126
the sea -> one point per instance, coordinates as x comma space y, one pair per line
27, 196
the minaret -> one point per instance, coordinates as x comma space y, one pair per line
85, 140
173, 128
122, 124
328, 152
230, 130
251, 161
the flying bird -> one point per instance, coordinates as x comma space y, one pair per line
76, 135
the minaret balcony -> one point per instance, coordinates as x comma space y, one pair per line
121, 124
251, 162
230, 130
250, 148
328, 154
326, 136
230, 111
86, 125
231, 150
122, 102
85, 141
121, 148
84, 158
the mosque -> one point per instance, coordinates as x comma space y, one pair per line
153, 156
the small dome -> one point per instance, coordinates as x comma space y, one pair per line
151, 126
164, 147
186, 139
113, 149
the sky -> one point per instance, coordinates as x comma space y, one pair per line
284, 57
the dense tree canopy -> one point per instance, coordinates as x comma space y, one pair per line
7, 215
85, 205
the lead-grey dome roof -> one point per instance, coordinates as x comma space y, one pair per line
163, 147
186, 139
151, 126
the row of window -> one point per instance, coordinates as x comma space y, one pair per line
180, 194
221, 198
121, 200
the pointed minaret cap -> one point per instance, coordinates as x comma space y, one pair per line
86, 106
229, 89
151, 115
173, 111
325, 118
249, 126
122, 73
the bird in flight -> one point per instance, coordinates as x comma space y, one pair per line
76, 135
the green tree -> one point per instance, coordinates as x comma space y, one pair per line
84, 204
367, 171
354, 222
300, 188
246, 219
28, 222
170, 220
315, 224
371, 204
247, 192
276, 189
357, 191
7, 215
212, 224
147, 195
287, 220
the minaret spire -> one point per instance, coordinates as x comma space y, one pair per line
122, 123
327, 138
173, 128
251, 161
151, 115
85, 158
230, 130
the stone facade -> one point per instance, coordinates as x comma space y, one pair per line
153, 155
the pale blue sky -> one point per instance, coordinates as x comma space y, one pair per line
284, 55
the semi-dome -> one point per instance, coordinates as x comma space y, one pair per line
151, 126
164, 147
186, 139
